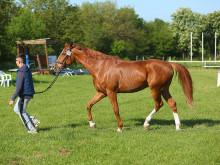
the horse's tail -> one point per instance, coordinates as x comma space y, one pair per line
186, 82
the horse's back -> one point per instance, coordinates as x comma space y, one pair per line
149, 73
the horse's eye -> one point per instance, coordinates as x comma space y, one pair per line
63, 53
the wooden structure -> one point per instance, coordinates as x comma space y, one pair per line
21, 48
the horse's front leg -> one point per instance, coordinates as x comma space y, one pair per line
113, 99
98, 96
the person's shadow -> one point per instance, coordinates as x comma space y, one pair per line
61, 126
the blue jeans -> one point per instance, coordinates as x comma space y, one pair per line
20, 109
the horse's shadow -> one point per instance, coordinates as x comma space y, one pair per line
188, 123
140, 122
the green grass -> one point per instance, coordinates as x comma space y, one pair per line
65, 137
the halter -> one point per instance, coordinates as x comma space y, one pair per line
68, 55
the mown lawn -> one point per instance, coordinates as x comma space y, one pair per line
65, 136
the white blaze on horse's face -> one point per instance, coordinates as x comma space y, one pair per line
63, 55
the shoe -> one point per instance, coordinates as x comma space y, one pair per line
33, 132
36, 122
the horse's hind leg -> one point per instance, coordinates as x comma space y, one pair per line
172, 104
158, 104
98, 96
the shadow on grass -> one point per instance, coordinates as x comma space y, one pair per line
188, 123
61, 126
140, 122
41, 81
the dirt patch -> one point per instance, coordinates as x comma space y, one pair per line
64, 152
38, 155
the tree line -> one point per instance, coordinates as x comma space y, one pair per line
105, 27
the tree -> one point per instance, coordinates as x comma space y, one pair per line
184, 21
118, 48
125, 25
210, 26
71, 26
8, 9
158, 39
163, 40
94, 17
53, 14
25, 26
105, 28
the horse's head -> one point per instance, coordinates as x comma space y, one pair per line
65, 58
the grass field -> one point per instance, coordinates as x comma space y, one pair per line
65, 137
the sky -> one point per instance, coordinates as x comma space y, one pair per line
162, 9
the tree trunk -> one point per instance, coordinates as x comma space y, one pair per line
183, 57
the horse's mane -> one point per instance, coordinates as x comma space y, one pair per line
92, 53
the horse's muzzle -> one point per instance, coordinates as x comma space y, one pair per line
56, 68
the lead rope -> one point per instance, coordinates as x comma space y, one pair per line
68, 55
50, 84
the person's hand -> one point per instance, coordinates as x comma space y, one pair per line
11, 102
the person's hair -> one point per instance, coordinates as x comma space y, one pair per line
22, 58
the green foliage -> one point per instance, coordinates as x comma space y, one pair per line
71, 26
65, 137
26, 26
184, 22
160, 39
118, 48
8, 10
104, 27
5, 66
211, 25
92, 25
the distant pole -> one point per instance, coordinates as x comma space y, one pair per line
202, 47
46, 56
215, 44
39, 64
191, 46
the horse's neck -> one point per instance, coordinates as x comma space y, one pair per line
90, 63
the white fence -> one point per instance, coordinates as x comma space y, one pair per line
204, 62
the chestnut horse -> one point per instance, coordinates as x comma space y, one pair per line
112, 75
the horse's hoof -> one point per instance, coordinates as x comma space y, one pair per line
119, 130
178, 129
146, 127
93, 126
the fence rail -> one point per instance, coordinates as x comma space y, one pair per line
205, 66
194, 61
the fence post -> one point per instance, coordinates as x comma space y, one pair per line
218, 81
39, 64
191, 47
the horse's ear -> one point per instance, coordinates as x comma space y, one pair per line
71, 44
66, 44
